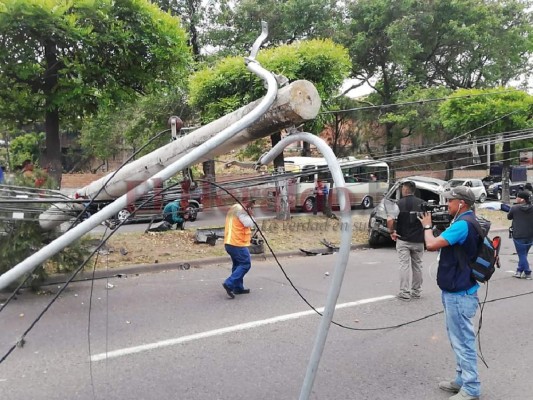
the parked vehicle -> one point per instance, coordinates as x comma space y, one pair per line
489, 180
476, 185
517, 173
366, 181
149, 207
428, 189
495, 189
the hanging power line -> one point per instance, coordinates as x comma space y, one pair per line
416, 102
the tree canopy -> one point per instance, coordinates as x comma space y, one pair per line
491, 112
228, 85
460, 44
233, 26
61, 60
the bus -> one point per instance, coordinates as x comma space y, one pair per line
366, 181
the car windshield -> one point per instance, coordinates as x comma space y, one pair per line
455, 183
492, 178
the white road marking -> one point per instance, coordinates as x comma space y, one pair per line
222, 331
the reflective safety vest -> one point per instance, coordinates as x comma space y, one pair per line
235, 233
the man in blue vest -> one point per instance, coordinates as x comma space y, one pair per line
458, 244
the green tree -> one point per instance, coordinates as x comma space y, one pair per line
233, 26
499, 112
460, 44
229, 85
60, 61
132, 125
345, 130
25, 147
192, 15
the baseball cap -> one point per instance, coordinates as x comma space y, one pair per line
461, 193
524, 194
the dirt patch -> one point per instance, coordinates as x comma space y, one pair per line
124, 249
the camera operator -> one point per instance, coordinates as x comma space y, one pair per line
459, 289
409, 238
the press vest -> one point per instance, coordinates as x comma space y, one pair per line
407, 224
451, 277
235, 233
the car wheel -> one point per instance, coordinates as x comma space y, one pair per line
123, 215
482, 198
367, 202
499, 194
374, 237
309, 204
194, 204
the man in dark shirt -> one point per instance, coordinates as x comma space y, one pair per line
409, 237
522, 216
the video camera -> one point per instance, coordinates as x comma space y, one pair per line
439, 214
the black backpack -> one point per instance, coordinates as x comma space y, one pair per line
488, 250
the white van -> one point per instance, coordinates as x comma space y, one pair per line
366, 181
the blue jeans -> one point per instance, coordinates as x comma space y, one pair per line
522, 247
459, 311
242, 262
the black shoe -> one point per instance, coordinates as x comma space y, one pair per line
243, 291
228, 291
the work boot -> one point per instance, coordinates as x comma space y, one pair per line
449, 386
463, 396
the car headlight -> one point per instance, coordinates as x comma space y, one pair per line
493, 186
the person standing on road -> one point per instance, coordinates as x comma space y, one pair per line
458, 245
409, 238
237, 237
522, 216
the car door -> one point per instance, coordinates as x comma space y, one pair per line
481, 193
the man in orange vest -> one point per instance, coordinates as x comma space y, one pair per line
237, 236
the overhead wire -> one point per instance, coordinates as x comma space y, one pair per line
89, 201
21, 341
417, 102
263, 182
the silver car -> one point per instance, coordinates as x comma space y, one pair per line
476, 185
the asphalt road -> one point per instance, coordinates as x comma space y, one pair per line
175, 335
214, 217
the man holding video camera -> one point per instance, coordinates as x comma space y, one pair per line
459, 289
409, 238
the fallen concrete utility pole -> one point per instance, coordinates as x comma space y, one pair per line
294, 104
